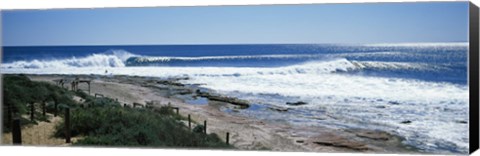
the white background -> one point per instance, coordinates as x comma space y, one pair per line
84, 151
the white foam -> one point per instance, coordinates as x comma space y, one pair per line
397, 66
115, 59
166, 59
311, 78
352, 100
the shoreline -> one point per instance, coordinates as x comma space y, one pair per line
246, 133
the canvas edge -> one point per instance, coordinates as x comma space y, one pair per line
473, 77
1, 75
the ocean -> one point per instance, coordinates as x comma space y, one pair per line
374, 86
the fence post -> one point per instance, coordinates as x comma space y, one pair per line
67, 125
44, 110
16, 132
205, 126
55, 111
9, 115
177, 110
89, 88
72, 86
32, 111
189, 124
227, 140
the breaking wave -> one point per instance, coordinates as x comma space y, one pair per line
312, 64
114, 58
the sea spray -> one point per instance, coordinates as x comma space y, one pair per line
112, 59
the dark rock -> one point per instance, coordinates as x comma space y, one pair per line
393, 102
279, 109
182, 78
300, 141
183, 92
296, 103
232, 100
343, 144
406, 122
462, 122
170, 83
198, 84
380, 107
374, 135
318, 118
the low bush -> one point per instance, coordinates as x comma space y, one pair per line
198, 129
117, 126
19, 91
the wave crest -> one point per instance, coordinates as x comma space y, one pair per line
152, 60
344, 65
113, 58
122, 58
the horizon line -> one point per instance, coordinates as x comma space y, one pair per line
206, 44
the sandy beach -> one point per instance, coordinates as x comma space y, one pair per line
245, 133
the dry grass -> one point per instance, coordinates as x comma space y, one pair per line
40, 134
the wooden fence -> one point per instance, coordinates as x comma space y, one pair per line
16, 122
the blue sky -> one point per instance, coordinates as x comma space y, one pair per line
320, 23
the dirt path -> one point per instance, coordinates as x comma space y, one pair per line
40, 134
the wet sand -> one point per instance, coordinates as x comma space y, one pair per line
245, 133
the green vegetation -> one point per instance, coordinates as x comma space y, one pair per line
117, 126
103, 122
19, 92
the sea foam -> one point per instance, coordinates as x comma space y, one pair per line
115, 58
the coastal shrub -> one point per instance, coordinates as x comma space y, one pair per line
168, 110
117, 126
19, 91
103, 101
100, 101
198, 129
87, 98
83, 95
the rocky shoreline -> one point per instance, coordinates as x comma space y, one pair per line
247, 133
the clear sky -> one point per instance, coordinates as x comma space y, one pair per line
320, 23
